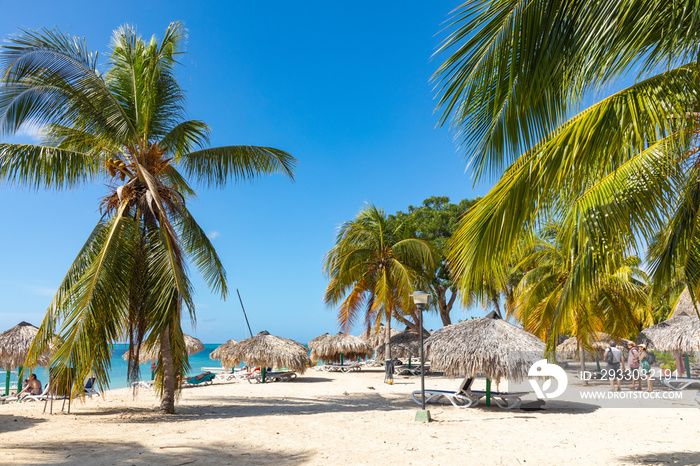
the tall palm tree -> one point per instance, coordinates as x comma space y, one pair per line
125, 126
617, 306
619, 170
372, 268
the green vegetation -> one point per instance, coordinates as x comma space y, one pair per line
617, 306
622, 172
372, 268
435, 222
127, 128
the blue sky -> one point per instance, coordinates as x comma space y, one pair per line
344, 87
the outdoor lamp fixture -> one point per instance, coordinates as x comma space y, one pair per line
420, 299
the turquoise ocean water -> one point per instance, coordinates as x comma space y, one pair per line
117, 375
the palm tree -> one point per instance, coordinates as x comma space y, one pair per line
372, 268
126, 126
618, 305
518, 74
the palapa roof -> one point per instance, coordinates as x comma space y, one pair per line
600, 342
330, 347
267, 350
219, 351
192, 344
375, 337
15, 344
404, 344
488, 346
679, 333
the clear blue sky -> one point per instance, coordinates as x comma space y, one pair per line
344, 87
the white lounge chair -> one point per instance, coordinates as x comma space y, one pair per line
465, 397
681, 383
284, 376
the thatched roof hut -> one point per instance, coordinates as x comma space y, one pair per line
15, 344
192, 344
331, 347
488, 346
267, 350
220, 350
404, 344
568, 349
679, 333
375, 337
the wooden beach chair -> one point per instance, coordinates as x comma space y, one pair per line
465, 397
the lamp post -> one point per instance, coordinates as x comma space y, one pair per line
420, 299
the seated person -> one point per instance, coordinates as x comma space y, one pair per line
33, 387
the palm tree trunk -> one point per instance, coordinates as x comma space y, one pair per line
387, 336
582, 362
167, 403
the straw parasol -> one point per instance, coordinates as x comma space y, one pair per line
375, 337
679, 333
192, 344
220, 350
488, 346
339, 346
569, 349
314, 343
267, 350
404, 344
15, 344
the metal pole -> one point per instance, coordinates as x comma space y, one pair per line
687, 365
422, 361
7, 383
244, 314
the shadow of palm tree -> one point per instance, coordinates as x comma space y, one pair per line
681, 458
226, 407
131, 453
12, 423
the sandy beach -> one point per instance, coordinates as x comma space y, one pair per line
339, 419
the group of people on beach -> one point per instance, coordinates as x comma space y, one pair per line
638, 365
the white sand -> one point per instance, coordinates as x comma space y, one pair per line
337, 419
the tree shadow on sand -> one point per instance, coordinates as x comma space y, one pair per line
134, 453
684, 458
13, 423
227, 407
233, 407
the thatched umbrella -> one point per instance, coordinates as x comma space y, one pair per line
569, 349
314, 343
336, 347
267, 350
375, 336
489, 346
221, 350
192, 344
679, 333
14, 347
404, 344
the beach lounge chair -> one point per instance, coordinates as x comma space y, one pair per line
413, 370
90, 387
142, 384
205, 378
280, 376
681, 383
465, 397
